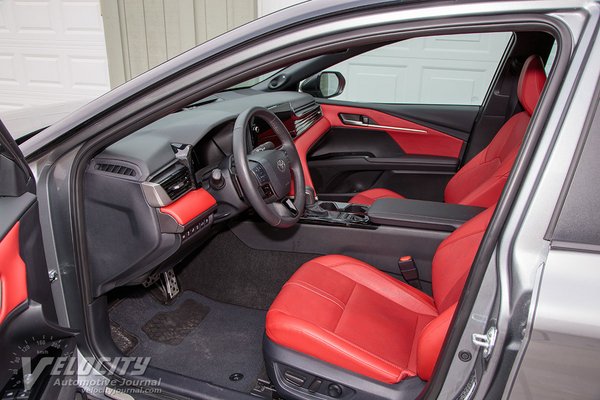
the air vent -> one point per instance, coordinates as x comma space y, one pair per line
301, 111
306, 116
176, 182
115, 169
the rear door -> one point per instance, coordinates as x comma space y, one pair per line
31, 341
406, 115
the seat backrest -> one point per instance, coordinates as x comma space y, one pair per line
453, 258
450, 269
480, 181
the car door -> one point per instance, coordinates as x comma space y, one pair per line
405, 116
31, 341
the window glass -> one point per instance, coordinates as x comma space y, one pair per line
450, 69
551, 58
579, 217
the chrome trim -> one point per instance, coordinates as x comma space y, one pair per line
155, 195
394, 128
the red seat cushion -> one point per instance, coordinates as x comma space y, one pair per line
480, 181
350, 314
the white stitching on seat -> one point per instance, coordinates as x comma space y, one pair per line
317, 291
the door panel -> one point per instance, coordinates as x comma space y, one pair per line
410, 137
29, 333
411, 149
452, 120
13, 280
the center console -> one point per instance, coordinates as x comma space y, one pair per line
337, 213
405, 213
421, 214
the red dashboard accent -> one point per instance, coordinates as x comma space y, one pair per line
433, 142
13, 274
191, 205
304, 143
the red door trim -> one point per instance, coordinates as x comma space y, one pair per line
421, 140
13, 274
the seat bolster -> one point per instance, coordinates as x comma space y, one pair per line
368, 197
379, 282
307, 338
481, 181
431, 341
487, 194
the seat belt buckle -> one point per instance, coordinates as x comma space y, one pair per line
409, 271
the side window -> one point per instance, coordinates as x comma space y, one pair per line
451, 69
579, 217
551, 59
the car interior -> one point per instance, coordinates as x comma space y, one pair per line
277, 240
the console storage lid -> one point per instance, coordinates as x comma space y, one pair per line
421, 214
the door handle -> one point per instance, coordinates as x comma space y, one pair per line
366, 122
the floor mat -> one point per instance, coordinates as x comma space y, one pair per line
225, 341
125, 341
172, 327
227, 270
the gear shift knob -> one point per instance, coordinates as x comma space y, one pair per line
310, 196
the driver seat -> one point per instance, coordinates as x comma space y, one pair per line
480, 181
348, 314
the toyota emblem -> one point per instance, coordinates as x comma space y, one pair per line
281, 165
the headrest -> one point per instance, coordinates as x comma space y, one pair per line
531, 83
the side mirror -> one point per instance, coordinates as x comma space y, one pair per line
324, 85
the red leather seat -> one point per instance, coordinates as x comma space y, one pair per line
347, 313
480, 181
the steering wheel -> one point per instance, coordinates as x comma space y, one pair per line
264, 174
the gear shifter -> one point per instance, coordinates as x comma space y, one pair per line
310, 196
313, 209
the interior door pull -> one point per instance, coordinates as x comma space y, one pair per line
360, 122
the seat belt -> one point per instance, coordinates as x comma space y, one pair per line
513, 103
409, 271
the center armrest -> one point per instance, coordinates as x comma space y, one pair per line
421, 214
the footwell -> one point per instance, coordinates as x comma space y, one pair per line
197, 337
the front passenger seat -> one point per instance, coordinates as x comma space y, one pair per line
348, 314
480, 181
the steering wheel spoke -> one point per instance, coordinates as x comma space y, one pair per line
280, 208
269, 168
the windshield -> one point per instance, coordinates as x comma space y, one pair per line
251, 82
58, 56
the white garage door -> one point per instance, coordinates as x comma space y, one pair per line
453, 69
51, 52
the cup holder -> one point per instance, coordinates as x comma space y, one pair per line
343, 207
329, 206
355, 209
338, 213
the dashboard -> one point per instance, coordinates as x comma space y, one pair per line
152, 197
